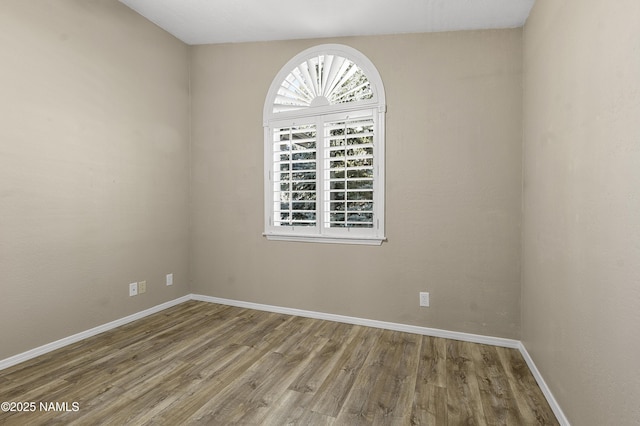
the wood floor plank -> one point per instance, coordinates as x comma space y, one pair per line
330, 397
400, 375
430, 400
430, 406
532, 405
433, 361
203, 363
312, 377
464, 405
497, 399
291, 408
385, 385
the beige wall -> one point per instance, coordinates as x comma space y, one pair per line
93, 167
453, 186
581, 241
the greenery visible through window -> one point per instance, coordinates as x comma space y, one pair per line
324, 149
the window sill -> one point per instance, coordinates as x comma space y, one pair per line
369, 241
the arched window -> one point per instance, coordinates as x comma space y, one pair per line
324, 149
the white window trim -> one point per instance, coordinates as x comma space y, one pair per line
377, 108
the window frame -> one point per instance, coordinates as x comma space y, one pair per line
319, 115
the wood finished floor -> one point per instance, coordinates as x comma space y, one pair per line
202, 363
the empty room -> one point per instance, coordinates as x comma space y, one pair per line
408, 212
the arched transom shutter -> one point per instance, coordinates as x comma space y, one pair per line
322, 80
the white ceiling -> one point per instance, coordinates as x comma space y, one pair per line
225, 21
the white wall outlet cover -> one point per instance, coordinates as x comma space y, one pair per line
133, 289
424, 298
169, 279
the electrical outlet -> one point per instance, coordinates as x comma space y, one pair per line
424, 298
133, 289
142, 287
169, 279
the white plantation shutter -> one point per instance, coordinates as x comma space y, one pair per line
294, 176
349, 173
324, 149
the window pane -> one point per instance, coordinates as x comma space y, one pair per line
360, 195
360, 184
360, 173
358, 151
337, 217
337, 207
304, 206
304, 166
303, 196
338, 174
303, 155
360, 206
360, 162
338, 164
361, 218
304, 186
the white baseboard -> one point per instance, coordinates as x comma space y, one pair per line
466, 337
41, 350
562, 419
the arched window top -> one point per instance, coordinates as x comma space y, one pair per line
322, 80
325, 78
